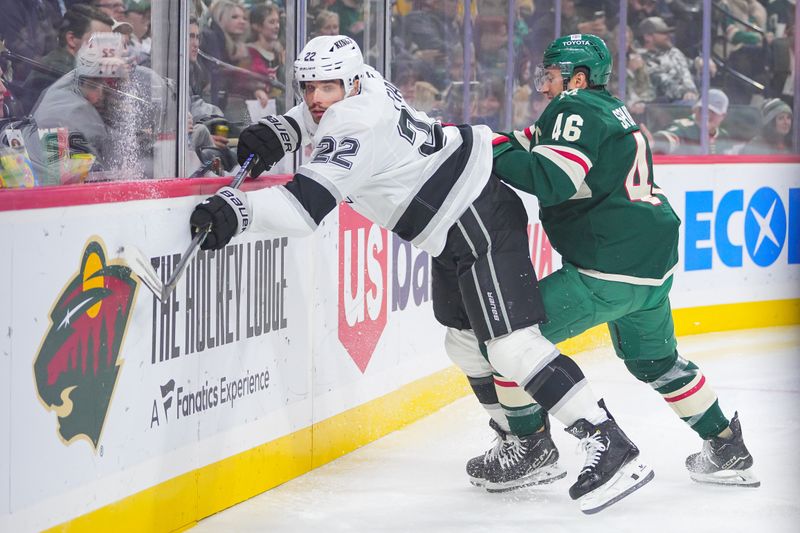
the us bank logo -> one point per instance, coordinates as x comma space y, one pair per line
738, 228
379, 274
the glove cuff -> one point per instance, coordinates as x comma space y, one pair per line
286, 129
237, 200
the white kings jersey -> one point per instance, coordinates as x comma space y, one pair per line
394, 165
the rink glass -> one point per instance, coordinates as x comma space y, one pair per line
459, 60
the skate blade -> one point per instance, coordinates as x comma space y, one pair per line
730, 478
540, 476
477, 481
627, 480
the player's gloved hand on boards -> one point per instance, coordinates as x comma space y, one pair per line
270, 139
223, 215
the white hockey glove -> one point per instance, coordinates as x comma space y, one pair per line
224, 215
270, 139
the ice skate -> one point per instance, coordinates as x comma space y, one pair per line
724, 461
612, 469
516, 462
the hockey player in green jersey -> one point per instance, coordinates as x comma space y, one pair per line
591, 170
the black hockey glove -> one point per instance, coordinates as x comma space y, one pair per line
270, 139
223, 215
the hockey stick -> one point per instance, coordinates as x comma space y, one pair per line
212, 164
142, 267
272, 80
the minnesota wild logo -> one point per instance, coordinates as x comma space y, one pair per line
77, 365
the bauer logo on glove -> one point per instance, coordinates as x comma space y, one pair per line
289, 141
240, 207
223, 216
270, 139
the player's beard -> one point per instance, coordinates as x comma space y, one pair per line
316, 113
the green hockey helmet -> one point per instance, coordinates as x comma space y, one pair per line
576, 50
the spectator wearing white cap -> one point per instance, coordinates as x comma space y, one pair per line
683, 135
111, 108
669, 70
81, 100
776, 129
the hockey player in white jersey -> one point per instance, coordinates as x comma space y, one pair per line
433, 186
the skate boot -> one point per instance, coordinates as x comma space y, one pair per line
724, 461
475, 468
516, 462
612, 469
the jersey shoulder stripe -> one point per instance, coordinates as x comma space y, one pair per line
574, 163
315, 199
433, 194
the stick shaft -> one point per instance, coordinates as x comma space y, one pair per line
185, 258
201, 236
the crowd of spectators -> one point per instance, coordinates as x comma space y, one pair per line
751, 64
239, 70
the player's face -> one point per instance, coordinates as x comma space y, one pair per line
320, 95
552, 83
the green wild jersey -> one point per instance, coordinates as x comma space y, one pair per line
592, 171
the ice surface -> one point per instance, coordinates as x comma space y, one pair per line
414, 480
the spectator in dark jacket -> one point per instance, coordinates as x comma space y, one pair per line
223, 40
78, 24
28, 28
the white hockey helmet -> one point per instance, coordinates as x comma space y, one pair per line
104, 55
329, 57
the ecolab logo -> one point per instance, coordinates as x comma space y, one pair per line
762, 224
375, 267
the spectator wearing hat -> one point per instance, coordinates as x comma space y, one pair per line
81, 101
78, 24
668, 67
110, 109
776, 130
683, 135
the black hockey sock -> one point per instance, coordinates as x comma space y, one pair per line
554, 381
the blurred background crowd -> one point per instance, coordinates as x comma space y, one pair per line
91, 88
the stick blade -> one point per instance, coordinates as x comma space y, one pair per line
140, 265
